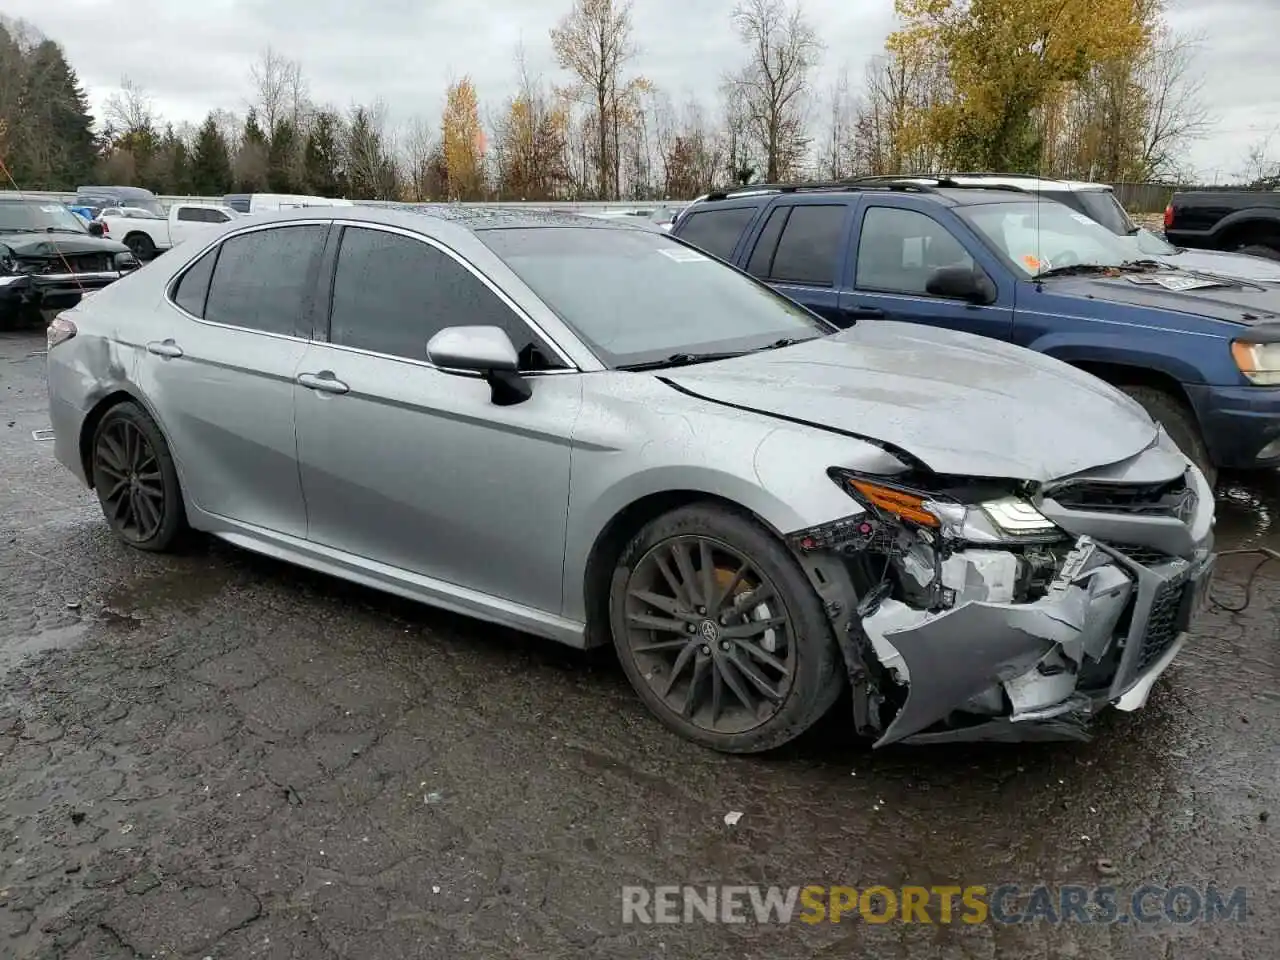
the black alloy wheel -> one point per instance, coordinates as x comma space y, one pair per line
720, 633
135, 478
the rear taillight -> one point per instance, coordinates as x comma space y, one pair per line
1168, 216
60, 331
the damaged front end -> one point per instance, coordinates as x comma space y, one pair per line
984, 610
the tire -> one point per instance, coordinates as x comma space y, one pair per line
815, 675
1179, 423
1260, 250
141, 245
128, 448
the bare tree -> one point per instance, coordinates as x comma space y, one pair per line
130, 110
421, 158
593, 42
1260, 168
784, 49
839, 151
1175, 108
279, 90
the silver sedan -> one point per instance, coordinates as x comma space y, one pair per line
594, 433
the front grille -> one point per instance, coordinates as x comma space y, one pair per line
1163, 623
75, 263
1145, 556
1174, 498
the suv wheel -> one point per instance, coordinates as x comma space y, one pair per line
1179, 423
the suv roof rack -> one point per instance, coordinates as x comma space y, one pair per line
851, 185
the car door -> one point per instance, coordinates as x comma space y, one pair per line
896, 250
407, 464
221, 372
799, 250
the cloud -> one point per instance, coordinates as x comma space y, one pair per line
194, 57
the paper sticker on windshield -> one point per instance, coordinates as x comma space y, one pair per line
1081, 218
683, 255
53, 209
1032, 263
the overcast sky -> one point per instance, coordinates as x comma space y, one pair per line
195, 55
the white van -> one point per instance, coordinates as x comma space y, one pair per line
263, 202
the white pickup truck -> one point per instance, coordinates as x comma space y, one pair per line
148, 235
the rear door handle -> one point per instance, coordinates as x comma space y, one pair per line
164, 348
324, 381
864, 313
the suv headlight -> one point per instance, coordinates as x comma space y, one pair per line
1000, 519
1259, 362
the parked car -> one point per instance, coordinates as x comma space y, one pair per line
1200, 353
49, 259
148, 236
98, 197
1098, 202
595, 433
1244, 221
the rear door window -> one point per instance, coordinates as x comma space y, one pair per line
716, 231
264, 280
193, 286
809, 246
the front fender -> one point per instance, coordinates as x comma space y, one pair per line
1119, 350
781, 478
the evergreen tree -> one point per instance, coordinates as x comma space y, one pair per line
56, 148
281, 158
321, 165
210, 161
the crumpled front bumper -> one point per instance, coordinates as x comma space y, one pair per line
1109, 625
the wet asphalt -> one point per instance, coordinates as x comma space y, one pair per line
217, 755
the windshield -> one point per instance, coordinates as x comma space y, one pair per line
636, 296
36, 217
1036, 237
1150, 245
1103, 207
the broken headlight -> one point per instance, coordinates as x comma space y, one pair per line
981, 517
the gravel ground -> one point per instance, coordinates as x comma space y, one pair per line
215, 755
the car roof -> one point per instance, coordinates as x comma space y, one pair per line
944, 190
416, 217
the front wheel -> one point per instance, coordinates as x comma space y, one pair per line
1179, 423
720, 633
136, 480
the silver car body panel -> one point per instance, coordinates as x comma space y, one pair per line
412, 481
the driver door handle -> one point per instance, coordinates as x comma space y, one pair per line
164, 348
324, 381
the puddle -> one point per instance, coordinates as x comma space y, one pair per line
57, 638
1247, 511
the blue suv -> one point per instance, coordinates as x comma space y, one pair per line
1200, 352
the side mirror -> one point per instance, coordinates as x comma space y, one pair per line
961, 283
484, 350
96, 229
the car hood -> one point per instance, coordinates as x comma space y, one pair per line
1220, 298
52, 244
961, 404
1242, 266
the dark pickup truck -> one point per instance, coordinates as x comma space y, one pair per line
1238, 221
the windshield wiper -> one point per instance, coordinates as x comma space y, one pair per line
784, 342
680, 360
1077, 269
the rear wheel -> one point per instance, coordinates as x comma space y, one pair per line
136, 480
140, 245
1179, 423
720, 633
